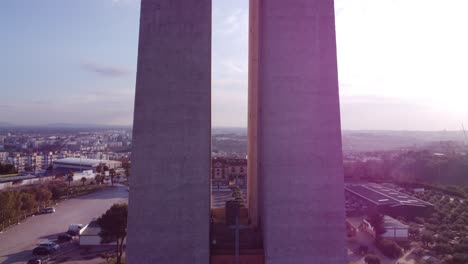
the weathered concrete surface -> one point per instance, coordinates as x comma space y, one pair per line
300, 174
169, 189
252, 145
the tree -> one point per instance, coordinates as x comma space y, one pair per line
57, 191
377, 222
461, 248
427, 238
9, 206
460, 258
97, 178
372, 259
414, 231
112, 175
69, 180
7, 169
443, 249
389, 248
83, 180
43, 195
113, 225
28, 202
100, 168
126, 166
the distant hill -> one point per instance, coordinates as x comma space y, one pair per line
71, 125
5, 124
361, 141
60, 125
371, 140
229, 130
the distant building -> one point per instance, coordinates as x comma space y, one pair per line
375, 197
98, 156
394, 229
19, 161
76, 164
3, 156
115, 144
49, 159
228, 170
34, 162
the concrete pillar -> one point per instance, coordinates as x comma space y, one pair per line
252, 143
300, 174
169, 204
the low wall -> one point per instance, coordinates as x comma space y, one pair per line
24, 182
243, 259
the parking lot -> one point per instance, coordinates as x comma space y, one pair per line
17, 243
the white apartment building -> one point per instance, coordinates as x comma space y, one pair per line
3, 156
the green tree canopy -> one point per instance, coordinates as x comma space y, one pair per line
372, 259
113, 225
7, 169
377, 222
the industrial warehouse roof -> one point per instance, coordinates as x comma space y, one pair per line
380, 195
78, 161
83, 162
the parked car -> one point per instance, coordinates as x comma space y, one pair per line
64, 237
34, 261
51, 246
47, 210
74, 229
41, 251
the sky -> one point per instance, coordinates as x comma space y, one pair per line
401, 63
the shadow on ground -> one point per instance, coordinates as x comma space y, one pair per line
18, 257
118, 191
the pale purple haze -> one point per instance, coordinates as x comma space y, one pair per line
401, 63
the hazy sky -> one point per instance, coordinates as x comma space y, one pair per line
402, 63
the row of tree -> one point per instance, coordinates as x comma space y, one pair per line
445, 231
416, 166
388, 247
101, 173
16, 204
113, 225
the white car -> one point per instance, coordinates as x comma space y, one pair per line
51, 246
47, 210
74, 229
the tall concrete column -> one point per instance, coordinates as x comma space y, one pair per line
300, 174
169, 204
252, 143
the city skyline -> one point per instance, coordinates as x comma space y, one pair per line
399, 68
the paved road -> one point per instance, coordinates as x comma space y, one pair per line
16, 243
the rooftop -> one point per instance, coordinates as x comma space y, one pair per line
78, 161
92, 229
380, 195
83, 161
390, 222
